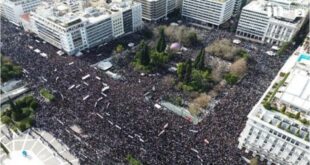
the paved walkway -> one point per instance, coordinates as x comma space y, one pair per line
41, 146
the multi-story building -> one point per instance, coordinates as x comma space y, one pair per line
270, 22
95, 23
13, 9
237, 7
278, 127
207, 13
153, 10
178, 4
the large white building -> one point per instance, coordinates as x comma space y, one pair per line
238, 5
271, 22
86, 25
13, 9
153, 10
207, 13
278, 127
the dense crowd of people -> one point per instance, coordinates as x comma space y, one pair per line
121, 122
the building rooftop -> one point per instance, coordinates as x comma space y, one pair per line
297, 91
277, 11
292, 2
286, 103
67, 15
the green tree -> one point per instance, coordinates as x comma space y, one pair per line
132, 161
6, 120
297, 115
22, 126
283, 48
34, 104
181, 70
12, 104
267, 105
307, 137
16, 116
119, 48
9, 70
243, 54
201, 80
254, 161
143, 54
161, 43
231, 78
188, 71
191, 39
199, 62
159, 58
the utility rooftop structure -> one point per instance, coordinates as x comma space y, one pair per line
153, 10
271, 21
76, 26
278, 126
13, 9
207, 13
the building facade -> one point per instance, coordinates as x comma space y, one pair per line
14, 9
270, 22
93, 25
207, 13
277, 129
238, 5
154, 10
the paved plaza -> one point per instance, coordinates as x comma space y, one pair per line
37, 144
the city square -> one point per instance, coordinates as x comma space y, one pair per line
103, 109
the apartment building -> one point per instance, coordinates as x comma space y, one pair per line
207, 13
278, 129
13, 9
153, 10
94, 24
270, 22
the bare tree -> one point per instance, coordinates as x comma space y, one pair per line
239, 67
218, 71
168, 81
223, 49
199, 103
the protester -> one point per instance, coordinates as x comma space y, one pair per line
123, 122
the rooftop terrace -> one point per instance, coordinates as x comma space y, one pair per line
286, 103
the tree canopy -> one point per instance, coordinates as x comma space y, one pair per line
223, 49
119, 48
20, 114
199, 62
143, 54
9, 70
161, 43
188, 71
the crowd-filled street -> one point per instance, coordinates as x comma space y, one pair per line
122, 122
